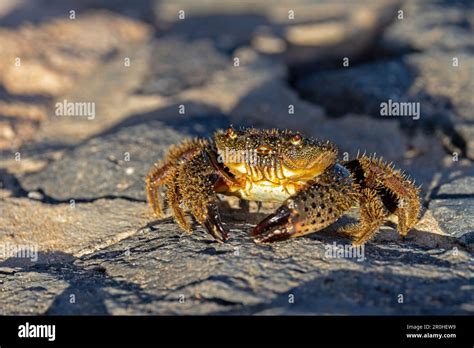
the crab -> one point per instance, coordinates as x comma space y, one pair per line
301, 174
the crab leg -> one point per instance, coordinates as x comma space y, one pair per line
387, 190
372, 216
196, 179
311, 209
157, 177
164, 171
174, 199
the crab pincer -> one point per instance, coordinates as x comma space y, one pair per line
274, 227
214, 225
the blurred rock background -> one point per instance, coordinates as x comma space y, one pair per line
73, 187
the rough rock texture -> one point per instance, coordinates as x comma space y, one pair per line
452, 202
149, 273
72, 189
115, 164
76, 228
443, 91
424, 62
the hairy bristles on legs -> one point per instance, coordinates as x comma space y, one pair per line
161, 172
391, 187
372, 215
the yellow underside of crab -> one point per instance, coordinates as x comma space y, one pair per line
267, 184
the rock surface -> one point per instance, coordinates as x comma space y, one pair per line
444, 92
148, 273
75, 228
43, 61
452, 202
116, 164
72, 199
172, 71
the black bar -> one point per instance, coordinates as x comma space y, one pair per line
257, 330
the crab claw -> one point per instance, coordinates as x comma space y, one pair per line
274, 227
277, 234
214, 225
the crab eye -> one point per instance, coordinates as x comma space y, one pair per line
231, 133
296, 139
